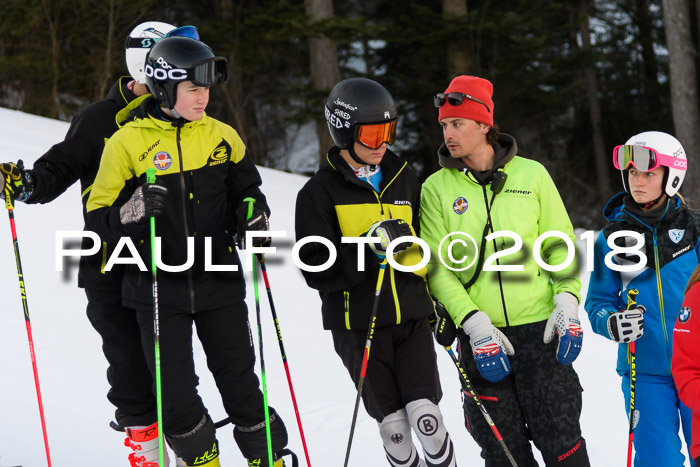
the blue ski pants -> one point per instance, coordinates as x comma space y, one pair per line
660, 416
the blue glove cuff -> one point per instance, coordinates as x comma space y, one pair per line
569, 346
492, 362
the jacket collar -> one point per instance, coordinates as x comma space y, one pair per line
505, 150
391, 165
143, 113
120, 93
620, 207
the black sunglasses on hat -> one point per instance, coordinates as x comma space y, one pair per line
456, 98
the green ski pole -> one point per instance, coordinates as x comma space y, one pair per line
268, 434
151, 178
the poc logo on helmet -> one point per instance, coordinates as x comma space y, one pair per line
162, 74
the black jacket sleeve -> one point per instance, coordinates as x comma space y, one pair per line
77, 156
315, 215
106, 221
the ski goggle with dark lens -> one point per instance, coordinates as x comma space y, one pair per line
184, 31
456, 98
148, 42
644, 159
372, 136
208, 72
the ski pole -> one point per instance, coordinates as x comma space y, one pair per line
268, 434
151, 178
480, 405
25, 305
365, 357
631, 303
117, 427
263, 268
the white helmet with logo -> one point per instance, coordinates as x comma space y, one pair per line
664, 144
140, 40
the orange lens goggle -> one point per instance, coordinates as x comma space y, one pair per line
373, 136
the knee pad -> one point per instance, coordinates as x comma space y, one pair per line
252, 440
426, 421
574, 456
197, 446
396, 438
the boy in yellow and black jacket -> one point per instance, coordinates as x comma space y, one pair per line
204, 181
363, 189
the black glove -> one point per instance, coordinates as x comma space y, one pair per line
389, 230
147, 201
16, 182
443, 327
253, 219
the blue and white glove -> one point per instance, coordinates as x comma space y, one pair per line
489, 346
565, 323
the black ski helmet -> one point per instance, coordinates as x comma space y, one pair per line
354, 102
176, 59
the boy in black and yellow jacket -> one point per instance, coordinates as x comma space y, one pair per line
362, 189
203, 176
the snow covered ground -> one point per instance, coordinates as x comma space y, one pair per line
72, 367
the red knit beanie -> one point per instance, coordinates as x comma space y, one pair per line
473, 86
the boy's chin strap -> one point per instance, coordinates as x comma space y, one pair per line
354, 155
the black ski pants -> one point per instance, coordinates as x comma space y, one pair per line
225, 336
128, 374
402, 365
540, 401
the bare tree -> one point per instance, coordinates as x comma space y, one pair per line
52, 24
697, 18
325, 71
684, 91
103, 80
458, 59
589, 74
239, 101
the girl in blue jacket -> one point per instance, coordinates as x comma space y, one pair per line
650, 244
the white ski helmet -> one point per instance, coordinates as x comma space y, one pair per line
139, 42
664, 144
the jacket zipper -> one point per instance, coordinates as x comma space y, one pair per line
394, 291
660, 293
184, 211
659, 288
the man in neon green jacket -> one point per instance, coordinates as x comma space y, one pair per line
503, 265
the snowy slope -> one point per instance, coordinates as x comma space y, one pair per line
72, 367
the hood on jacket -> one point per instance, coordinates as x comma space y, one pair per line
145, 113
120, 92
505, 149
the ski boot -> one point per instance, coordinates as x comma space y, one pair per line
211, 463
143, 440
277, 460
